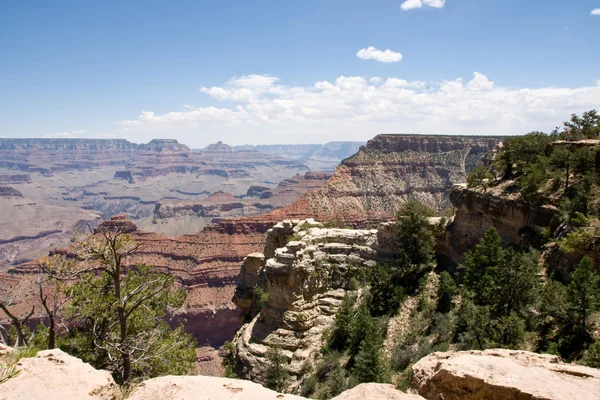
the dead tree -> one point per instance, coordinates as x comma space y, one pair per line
18, 322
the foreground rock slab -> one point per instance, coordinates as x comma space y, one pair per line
503, 374
380, 391
55, 375
203, 388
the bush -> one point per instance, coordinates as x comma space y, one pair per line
510, 331
592, 355
479, 178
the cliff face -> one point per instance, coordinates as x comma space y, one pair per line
517, 221
296, 286
371, 186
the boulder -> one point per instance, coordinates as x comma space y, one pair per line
378, 391
203, 388
53, 374
5, 349
502, 374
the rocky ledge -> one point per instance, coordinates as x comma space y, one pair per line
54, 374
470, 375
503, 374
291, 292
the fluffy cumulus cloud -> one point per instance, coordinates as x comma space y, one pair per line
262, 109
596, 11
412, 4
384, 56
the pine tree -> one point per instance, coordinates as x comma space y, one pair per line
415, 234
340, 334
479, 266
277, 376
446, 291
584, 295
361, 324
368, 363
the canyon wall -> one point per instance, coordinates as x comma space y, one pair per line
371, 186
518, 222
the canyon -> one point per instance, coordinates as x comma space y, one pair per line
51, 188
366, 189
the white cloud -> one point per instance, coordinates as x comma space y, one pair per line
595, 11
358, 108
384, 56
412, 4
434, 3
242, 89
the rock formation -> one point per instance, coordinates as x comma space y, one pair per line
7, 191
219, 146
64, 184
191, 216
472, 375
517, 221
15, 178
296, 288
371, 186
53, 374
503, 374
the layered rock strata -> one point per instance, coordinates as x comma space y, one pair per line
296, 286
371, 186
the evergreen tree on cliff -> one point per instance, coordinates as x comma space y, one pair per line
120, 313
277, 376
414, 233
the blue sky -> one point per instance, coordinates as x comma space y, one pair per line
288, 71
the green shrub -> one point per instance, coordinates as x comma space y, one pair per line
592, 355
277, 376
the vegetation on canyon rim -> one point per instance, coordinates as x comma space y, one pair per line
110, 317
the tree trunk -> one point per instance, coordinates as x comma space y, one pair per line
51, 320
18, 323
